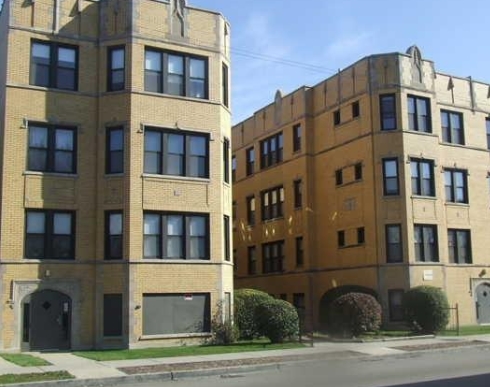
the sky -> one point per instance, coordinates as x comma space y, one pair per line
285, 44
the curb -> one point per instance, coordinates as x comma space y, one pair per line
227, 372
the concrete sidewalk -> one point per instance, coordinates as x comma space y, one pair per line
90, 372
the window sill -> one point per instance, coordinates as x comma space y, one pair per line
465, 205
53, 174
48, 260
423, 197
173, 336
181, 97
110, 175
44, 88
453, 264
205, 180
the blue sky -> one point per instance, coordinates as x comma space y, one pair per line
317, 37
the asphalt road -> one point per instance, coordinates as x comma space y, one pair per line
468, 367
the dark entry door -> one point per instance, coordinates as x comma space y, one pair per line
483, 303
50, 320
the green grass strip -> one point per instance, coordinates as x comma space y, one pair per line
468, 330
24, 360
147, 353
35, 377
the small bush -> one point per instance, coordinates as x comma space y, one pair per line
353, 314
223, 331
426, 309
246, 302
278, 320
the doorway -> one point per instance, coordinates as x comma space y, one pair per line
46, 321
483, 303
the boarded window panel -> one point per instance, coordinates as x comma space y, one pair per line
112, 314
176, 313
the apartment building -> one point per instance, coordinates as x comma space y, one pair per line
115, 173
376, 178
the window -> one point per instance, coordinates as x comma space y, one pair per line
387, 106
176, 74
299, 251
225, 85
419, 114
339, 179
52, 149
361, 238
459, 246
272, 203
358, 171
175, 153
422, 177
426, 246
395, 298
390, 177
226, 161
487, 123
114, 235
54, 65
452, 127
250, 161
355, 109
341, 238
298, 194
233, 168
252, 260
226, 236
271, 150
50, 234
176, 313
456, 186
115, 69
251, 210
114, 150
297, 138
336, 117
176, 236
234, 206
272, 257
112, 315
394, 251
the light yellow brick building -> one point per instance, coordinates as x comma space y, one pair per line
115, 162
376, 177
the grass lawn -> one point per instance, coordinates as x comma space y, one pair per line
468, 330
146, 353
24, 360
39, 377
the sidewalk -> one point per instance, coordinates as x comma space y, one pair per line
91, 373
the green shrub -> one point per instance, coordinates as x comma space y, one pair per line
223, 331
246, 302
426, 309
278, 320
353, 314
335, 293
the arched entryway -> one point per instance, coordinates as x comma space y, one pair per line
46, 321
482, 294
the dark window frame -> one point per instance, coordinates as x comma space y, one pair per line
418, 186
269, 212
110, 238
227, 237
225, 85
252, 260
300, 253
298, 193
417, 120
336, 117
361, 235
111, 166
398, 246
487, 128
358, 171
339, 177
297, 137
454, 252
251, 211
387, 112
341, 238
164, 73
269, 157
111, 71
387, 191
185, 242
356, 109
250, 156
48, 236
164, 154
273, 257
226, 162
450, 133
423, 247
53, 66
51, 149
454, 192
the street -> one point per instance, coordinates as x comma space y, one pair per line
469, 367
